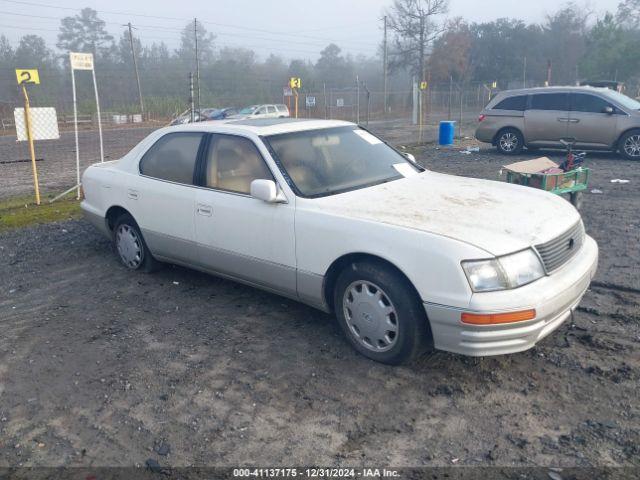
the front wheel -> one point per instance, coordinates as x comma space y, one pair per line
380, 313
576, 199
510, 141
629, 145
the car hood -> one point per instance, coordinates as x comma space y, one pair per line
497, 217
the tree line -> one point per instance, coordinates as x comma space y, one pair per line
570, 45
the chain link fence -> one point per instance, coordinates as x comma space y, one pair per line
121, 131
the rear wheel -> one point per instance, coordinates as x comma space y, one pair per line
509, 141
629, 145
131, 247
380, 313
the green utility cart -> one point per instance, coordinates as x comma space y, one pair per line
572, 182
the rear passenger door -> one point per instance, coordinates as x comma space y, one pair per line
162, 197
589, 123
547, 119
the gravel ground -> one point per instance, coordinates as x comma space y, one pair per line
100, 366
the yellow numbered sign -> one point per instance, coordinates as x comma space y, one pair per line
423, 85
295, 82
27, 76
494, 85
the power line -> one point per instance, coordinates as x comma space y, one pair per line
130, 14
168, 29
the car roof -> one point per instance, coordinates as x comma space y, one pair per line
262, 126
558, 89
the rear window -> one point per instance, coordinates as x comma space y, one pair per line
172, 157
550, 101
518, 103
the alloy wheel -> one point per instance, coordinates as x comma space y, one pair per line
632, 146
508, 142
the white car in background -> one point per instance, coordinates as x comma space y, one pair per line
263, 111
326, 213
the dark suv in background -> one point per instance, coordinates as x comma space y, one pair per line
595, 118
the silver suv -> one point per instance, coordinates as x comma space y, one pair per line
595, 118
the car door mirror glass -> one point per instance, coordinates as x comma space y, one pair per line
608, 110
265, 190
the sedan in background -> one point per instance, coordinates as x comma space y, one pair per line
326, 213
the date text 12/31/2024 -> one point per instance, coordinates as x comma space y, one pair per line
315, 473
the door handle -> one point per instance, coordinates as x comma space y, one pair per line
204, 210
133, 194
563, 119
574, 120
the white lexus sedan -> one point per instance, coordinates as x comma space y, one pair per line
326, 213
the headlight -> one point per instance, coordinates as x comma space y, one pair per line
509, 271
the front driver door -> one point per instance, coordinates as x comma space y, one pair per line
237, 234
589, 124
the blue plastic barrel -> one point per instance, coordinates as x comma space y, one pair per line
447, 132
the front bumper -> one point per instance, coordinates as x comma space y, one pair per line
554, 298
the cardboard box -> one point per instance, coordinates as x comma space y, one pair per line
536, 165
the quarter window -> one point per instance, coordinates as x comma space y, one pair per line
233, 163
550, 101
518, 103
271, 109
173, 157
589, 103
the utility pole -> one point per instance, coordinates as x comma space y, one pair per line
195, 31
357, 100
385, 69
135, 67
548, 73
191, 102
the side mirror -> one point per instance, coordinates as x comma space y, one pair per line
608, 110
410, 157
267, 191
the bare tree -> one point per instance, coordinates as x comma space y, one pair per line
629, 13
415, 28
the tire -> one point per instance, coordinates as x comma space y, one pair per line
629, 145
576, 199
380, 313
509, 141
130, 246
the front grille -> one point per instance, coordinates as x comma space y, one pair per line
559, 251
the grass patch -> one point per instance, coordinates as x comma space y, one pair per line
19, 212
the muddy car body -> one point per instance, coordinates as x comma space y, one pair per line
326, 213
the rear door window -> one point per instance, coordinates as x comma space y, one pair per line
550, 101
173, 157
518, 103
271, 109
584, 102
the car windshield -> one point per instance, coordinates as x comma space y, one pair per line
623, 100
248, 110
329, 161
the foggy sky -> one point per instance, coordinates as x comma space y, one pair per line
307, 25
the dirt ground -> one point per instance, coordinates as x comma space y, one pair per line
100, 366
